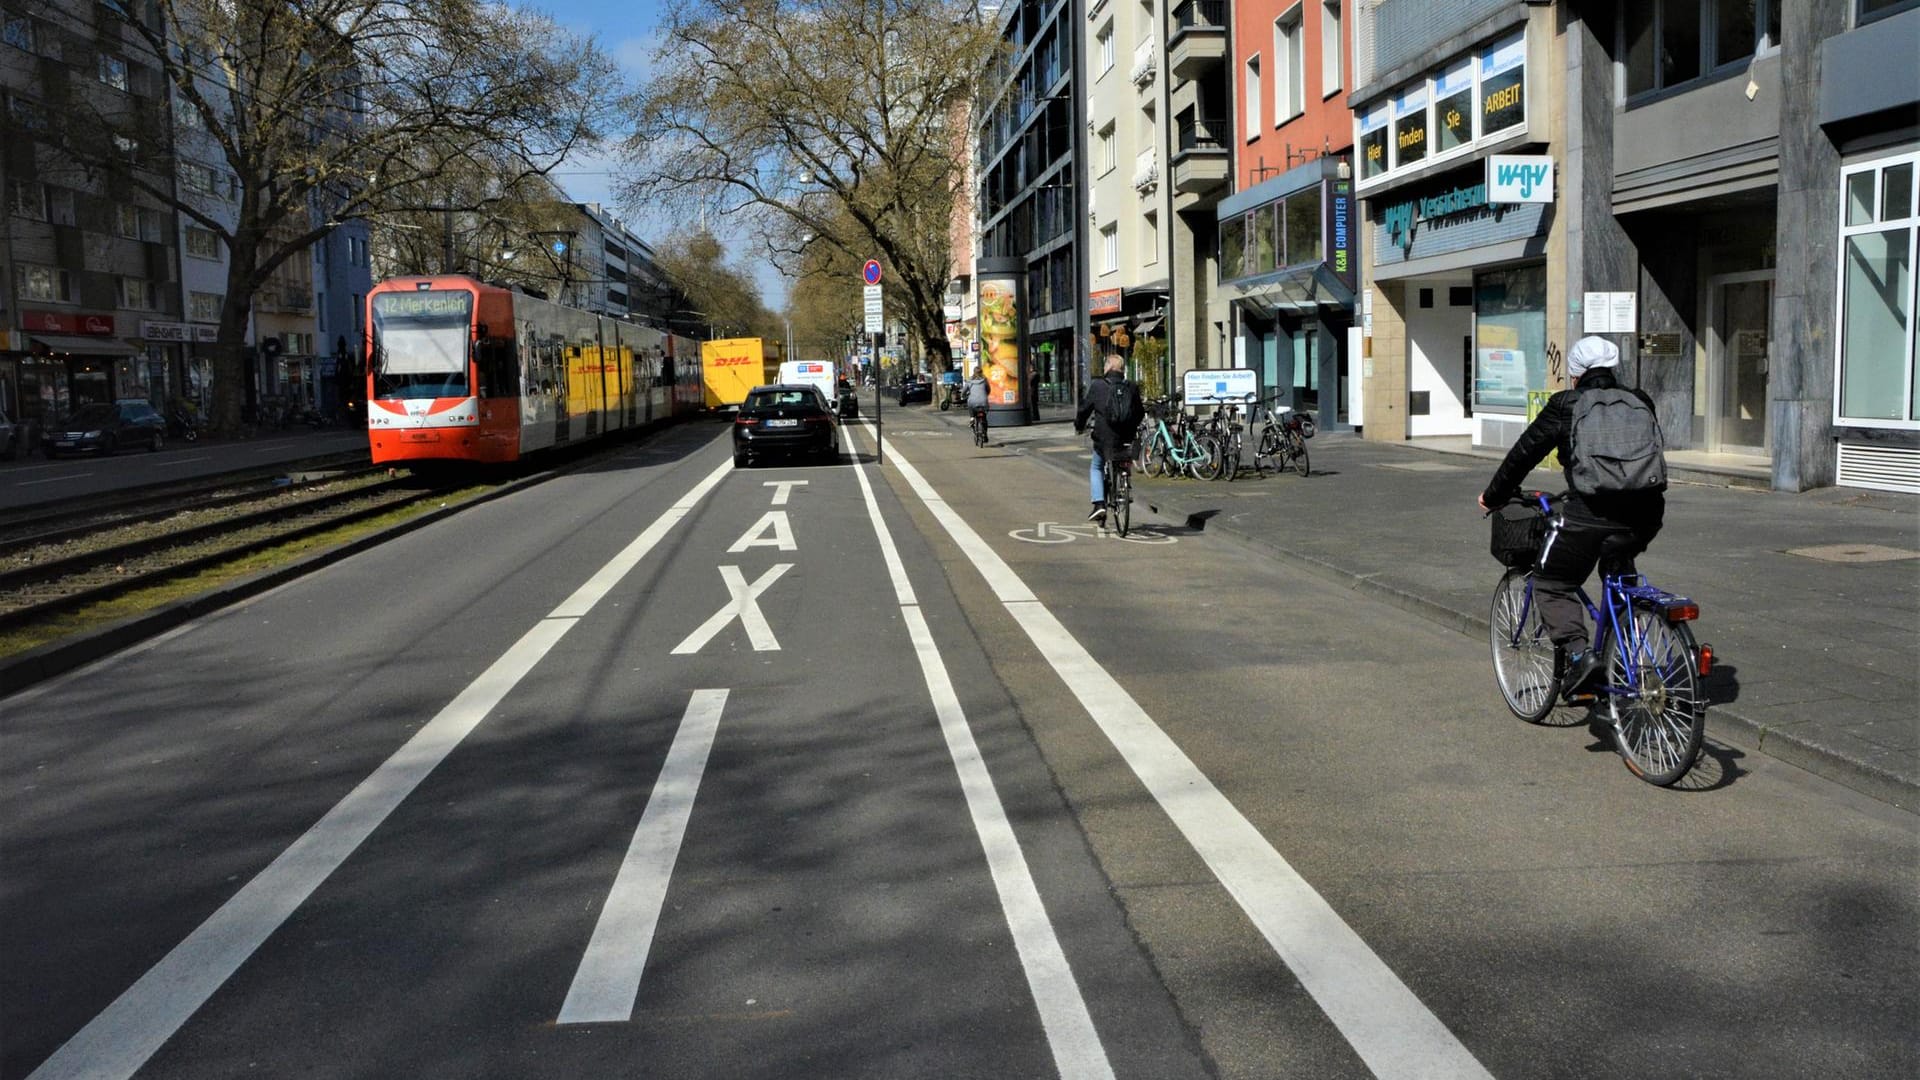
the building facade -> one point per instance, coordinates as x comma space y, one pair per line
1289, 236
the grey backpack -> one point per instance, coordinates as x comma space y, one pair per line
1616, 444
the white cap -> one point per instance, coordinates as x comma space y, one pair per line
1591, 352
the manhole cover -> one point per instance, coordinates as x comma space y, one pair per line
1426, 466
1854, 553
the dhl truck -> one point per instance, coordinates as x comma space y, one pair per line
732, 366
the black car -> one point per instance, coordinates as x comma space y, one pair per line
913, 390
103, 428
784, 420
849, 401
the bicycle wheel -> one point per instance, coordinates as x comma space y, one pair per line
1154, 457
1653, 698
1207, 465
1523, 656
1120, 500
1298, 452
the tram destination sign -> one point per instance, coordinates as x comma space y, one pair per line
425, 304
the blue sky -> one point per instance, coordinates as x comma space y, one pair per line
627, 30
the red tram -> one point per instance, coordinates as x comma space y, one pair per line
458, 370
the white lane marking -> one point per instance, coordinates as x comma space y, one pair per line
53, 479
744, 606
609, 575
122, 1037
170, 462
1387, 1025
773, 521
782, 488
1077, 1052
902, 588
608, 979
119, 1040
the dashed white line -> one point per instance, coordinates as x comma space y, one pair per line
608, 979
1386, 1024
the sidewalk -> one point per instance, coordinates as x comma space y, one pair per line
1811, 601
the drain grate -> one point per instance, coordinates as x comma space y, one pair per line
1855, 553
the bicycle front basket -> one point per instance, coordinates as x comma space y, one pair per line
1519, 528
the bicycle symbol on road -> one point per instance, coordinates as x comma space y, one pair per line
1052, 532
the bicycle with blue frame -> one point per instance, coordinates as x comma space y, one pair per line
1177, 447
1652, 667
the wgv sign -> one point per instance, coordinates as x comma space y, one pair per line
1519, 178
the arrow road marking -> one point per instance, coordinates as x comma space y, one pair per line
744, 606
608, 980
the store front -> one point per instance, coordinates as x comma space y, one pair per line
1130, 323
1288, 264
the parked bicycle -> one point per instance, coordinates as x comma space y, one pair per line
1283, 439
1650, 695
1174, 443
1229, 434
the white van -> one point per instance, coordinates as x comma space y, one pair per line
816, 373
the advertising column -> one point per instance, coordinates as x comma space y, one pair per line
1003, 329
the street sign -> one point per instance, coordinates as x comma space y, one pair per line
874, 309
870, 273
1221, 386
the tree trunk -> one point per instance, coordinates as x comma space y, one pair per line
230, 346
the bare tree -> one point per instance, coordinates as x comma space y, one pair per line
694, 262
828, 121
315, 112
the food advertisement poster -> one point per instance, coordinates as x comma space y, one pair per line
1000, 338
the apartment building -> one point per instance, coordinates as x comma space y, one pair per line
1128, 265
1288, 260
1198, 100
1031, 270
87, 261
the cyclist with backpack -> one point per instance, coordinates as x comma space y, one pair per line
1113, 405
1614, 459
978, 395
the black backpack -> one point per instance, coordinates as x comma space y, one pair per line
1123, 407
1616, 444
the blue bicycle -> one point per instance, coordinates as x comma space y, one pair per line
1650, 695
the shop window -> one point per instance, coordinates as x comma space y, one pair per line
1879, 231
1503, 86
1303, 227
1453, 107
1410, 126
1481, 95
1233, 248
1373, 141
1510, 336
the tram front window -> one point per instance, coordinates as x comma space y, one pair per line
420, 342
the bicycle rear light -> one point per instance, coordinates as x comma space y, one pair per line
1706, 660
1686, 612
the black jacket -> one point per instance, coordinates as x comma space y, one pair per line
1553, 430
1093, 404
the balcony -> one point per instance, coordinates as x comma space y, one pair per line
1198, 43
1200, 164
1146, 171
1146, 63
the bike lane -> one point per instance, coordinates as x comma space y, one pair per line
1509, 876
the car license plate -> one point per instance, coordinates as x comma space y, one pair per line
783, 423
422, 436
63, 442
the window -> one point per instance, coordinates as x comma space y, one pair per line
1410, 126
1664, 43
1331, 53
1874, 9
44, 284
137, 223
202, 243
27, 200
113, 71
320, 311
127, 146
1104, 40
17, 31
1879, 227
26, 113
1373, 141
1289, 68
1108, 155
1253, 96
1453, 107
138, 295
1110, 248
187, 115
60, 206
204, 307
1149, 238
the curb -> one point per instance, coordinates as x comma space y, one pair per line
1725, 722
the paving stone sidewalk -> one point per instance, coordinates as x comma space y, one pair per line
1811, 601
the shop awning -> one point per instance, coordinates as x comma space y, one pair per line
1300, 290
84, 346
1148, 325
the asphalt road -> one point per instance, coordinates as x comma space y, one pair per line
665, 768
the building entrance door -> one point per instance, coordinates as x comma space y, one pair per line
1737, 363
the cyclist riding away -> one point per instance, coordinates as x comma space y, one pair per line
1611, 450
977, 395
1113, 405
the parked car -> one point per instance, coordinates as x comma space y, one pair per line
103, 428
916, 389
9, 437
784, 420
